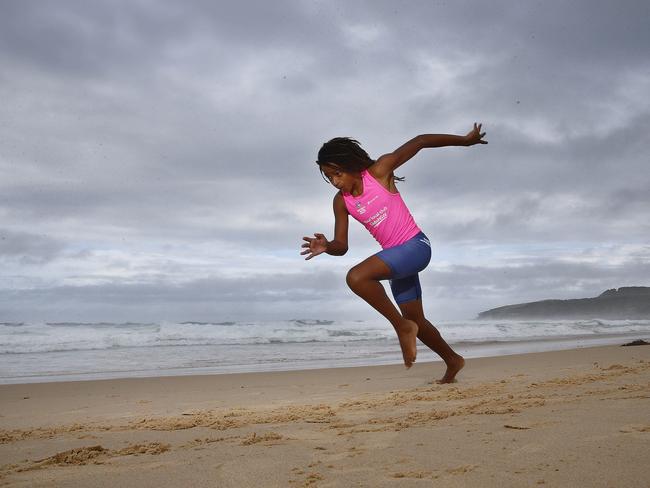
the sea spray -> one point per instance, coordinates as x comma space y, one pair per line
40, 351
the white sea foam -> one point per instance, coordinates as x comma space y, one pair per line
55, 337
34, 351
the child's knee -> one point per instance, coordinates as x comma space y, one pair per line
413, 311
354, 278
418, 319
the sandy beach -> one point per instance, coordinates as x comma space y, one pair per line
564, 418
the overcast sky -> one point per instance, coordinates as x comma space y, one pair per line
157, 157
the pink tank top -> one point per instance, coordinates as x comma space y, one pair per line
383, 213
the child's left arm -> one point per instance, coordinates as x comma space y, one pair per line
387, 163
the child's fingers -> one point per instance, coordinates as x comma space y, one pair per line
309, 253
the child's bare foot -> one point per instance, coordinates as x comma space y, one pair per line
407, 333
453, 367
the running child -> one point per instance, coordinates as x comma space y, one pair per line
367, 191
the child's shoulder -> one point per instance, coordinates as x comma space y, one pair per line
383, 166
383, 177
339, 202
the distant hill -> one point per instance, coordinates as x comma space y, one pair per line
632, 302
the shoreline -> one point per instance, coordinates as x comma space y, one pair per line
555, 418
468, 349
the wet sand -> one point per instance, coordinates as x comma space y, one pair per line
563, 418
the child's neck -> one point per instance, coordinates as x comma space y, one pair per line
357, 187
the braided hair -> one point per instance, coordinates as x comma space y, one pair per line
346, 154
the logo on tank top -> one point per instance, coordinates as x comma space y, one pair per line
362, 208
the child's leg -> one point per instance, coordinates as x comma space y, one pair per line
431, 337
363, 279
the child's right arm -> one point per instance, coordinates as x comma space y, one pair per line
339, 245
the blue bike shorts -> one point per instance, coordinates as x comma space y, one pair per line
405, 262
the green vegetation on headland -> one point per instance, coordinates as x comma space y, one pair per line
632, 302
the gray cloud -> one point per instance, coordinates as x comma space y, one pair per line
27, 248
168, 142
449, 291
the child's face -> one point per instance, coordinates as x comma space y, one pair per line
342, 180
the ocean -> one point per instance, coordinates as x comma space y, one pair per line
63, 351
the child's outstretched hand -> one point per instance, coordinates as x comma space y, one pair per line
314, 245
475, 136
